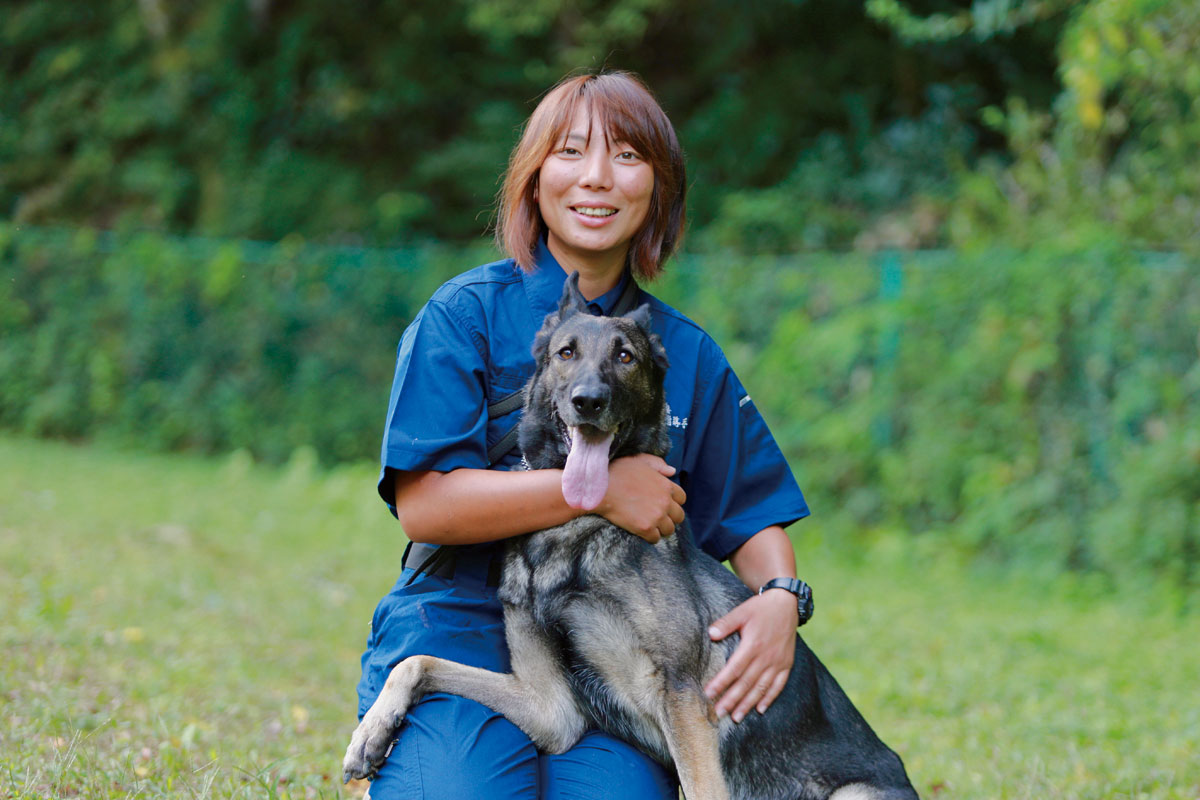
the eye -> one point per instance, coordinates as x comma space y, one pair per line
625, 357
566, 354
629, 155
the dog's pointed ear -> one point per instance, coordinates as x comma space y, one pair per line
572, 300
541, 342
641, 316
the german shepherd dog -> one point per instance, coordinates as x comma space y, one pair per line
609, 631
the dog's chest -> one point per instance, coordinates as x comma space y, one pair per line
593, 587
548, 570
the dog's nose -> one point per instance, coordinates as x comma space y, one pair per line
590, 400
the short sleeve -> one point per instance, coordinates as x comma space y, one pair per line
739, 482
437, 412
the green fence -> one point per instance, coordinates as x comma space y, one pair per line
1041, 406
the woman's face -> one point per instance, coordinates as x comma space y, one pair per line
594, 197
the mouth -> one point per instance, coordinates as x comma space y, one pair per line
593, 214
590, 433
585, 475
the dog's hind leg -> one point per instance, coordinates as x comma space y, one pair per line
692, 737
535, 697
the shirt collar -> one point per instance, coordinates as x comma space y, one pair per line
544, 285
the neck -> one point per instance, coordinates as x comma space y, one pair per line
598, 272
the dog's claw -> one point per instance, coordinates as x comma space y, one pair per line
369, 747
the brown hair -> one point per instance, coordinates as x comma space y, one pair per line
625, 111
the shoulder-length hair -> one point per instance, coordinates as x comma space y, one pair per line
624, 110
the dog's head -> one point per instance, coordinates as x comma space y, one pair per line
597, 394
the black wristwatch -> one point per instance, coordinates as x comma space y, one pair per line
803, 592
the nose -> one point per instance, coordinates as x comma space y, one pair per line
591, 399
597, 171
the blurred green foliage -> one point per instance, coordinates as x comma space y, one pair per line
1118, 148
1041, 405
205, 345
391, 120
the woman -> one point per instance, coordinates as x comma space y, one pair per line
595, 185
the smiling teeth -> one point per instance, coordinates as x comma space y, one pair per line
596, 212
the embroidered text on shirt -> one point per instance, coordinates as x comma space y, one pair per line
674, 421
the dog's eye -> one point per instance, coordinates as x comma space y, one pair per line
625, 357
566, 354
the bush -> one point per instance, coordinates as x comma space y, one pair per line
205, 345
1040, 406
1116, 150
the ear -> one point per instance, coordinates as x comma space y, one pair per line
572, 299
569, 304
541, 342
658, 353
641, 315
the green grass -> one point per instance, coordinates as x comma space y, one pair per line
181, 627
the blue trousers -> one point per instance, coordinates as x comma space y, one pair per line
452, 748
456, 749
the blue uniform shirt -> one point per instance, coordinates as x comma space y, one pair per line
470, 346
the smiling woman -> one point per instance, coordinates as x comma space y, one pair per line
596, 144
595, 187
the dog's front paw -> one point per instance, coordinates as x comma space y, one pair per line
372, 740
369, 746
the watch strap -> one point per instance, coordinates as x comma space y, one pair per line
803, 592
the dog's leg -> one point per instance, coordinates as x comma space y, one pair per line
691, 732
535, 697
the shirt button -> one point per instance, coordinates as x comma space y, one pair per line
596, 310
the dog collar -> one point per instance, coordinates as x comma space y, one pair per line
803, 592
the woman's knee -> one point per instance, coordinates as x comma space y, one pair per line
603, 767
451, 748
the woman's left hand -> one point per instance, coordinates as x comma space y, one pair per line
758, 669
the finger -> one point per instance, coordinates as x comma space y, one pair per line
742, 696
675, 513
660, 465
720, 683
774, 692
678, 494
651, 535
666, 527
727, 625
754, 695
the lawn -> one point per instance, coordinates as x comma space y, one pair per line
173, 626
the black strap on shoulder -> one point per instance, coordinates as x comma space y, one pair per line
511, 402
428, 559
627, 300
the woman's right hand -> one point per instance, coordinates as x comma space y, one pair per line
641, 497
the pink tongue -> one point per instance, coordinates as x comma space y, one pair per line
585, 477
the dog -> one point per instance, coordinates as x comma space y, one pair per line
607, 630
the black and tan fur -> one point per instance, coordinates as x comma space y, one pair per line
606, 630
